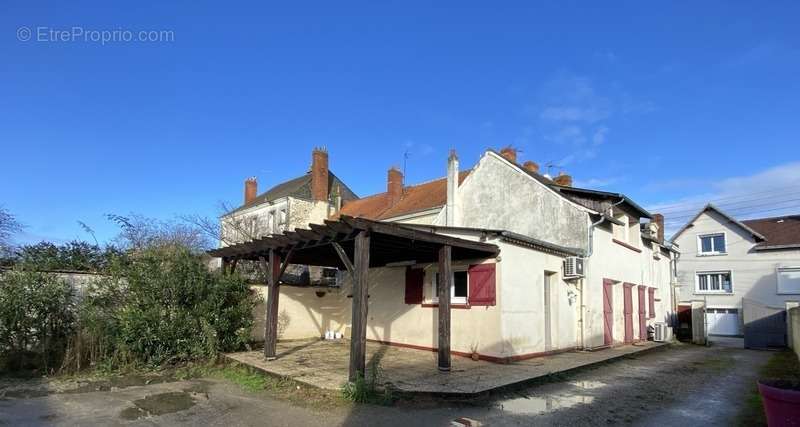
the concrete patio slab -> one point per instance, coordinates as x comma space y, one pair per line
324, 364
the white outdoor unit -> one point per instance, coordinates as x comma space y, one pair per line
660, 332
573, 267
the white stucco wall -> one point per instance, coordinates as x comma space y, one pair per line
303, 314
523, 309
621, 264
498, 195
753, 273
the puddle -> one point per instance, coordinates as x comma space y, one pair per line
158, 404
588, 384
534, 405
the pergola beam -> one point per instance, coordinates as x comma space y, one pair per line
345, 259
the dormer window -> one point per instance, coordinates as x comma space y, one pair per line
711, 244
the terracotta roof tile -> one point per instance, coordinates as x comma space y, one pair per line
415, 198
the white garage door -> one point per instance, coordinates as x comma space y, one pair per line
723, 321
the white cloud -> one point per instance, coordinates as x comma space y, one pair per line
771, 192
599, 136
589, 114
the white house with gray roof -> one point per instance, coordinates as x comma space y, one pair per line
747, 273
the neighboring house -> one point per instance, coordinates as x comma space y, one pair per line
522, 303
747, 273
310, 198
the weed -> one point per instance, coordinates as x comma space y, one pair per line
365, 390
782, 365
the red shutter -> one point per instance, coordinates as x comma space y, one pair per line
414, 279
482, 284
652, 292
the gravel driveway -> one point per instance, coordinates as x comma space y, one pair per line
681, 385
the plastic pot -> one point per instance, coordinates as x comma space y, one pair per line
781, 402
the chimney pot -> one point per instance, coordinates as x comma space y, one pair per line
250, 189
531, 166
563, 180
319, 174
659, 220
510, 153
394, 185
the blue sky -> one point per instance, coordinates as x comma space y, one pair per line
670, 103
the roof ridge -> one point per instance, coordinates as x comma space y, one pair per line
771, 218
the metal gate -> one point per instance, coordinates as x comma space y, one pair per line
764, 326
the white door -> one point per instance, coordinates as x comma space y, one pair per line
723, 321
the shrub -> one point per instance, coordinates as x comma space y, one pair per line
164, 306
37, 314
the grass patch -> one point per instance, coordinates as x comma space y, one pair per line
257, 382
782, 365
248, 381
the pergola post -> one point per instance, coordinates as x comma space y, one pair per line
273, 294
445, 283
358, 337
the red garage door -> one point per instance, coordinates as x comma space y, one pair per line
642, 315
628, 311
608, 312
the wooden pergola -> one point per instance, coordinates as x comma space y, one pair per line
355, 245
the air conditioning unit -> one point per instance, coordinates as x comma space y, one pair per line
573, 267
660, 332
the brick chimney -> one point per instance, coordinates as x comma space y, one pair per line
659, 220
250, 189
319, 174
394, 185
531, 166
563, 180
510, 153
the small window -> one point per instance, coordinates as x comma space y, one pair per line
714, 282
711, 244
789, 280
458, 291
282, 221
270, 226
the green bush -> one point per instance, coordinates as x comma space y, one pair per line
164, 306
37, 315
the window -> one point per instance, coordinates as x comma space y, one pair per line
270, 223
711, 244
458, 290
282, 221
789, 280
621, 231
714, 282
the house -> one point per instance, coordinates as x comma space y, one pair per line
537, 266
747, 273
309, 198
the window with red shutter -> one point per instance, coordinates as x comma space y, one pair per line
414, 280
652, 295
482, 285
